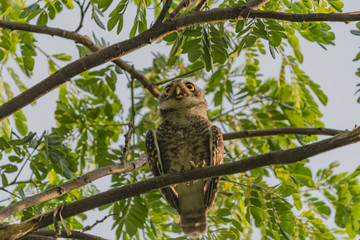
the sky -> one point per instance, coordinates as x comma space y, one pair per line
333, 69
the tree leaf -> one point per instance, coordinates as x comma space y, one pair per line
250, 40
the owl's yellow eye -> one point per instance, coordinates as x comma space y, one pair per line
190, 86
166, 91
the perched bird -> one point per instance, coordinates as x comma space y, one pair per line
186, 139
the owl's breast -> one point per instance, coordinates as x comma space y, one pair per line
182, 147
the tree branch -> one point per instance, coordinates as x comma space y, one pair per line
256, 4
119, 168
277, 157
281, 131
147, 37
163, 12
182, 4
86, 42
70, 185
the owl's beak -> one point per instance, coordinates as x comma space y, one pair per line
178, 91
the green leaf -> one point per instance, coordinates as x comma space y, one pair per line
20, 120
104, 3
319, 93
192, 33
275, 39
307, 3
353, 175
256, 202
21, 192
194, 55
338, 5
4, 180
305, 180
9, 168
219, 57
62, 57
120, 26
42, 20
218, 98
2, 54
171, 37
250, 41
4, 144
52, 12
257, 215
28, 10
297, 200
287, 226
355, 32
112, 22
58, 6
98, 21
15, 159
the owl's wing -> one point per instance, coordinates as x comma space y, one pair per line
216, 157
155, 164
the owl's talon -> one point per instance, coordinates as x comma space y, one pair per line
192, 164
199, 165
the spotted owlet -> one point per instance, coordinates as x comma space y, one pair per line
186, 139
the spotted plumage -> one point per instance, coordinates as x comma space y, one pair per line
186, 139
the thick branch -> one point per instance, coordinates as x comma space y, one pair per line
147, 37
70, 185
277, 157
86, 42
119, 168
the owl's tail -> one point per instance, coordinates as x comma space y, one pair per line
192, 208
194, 224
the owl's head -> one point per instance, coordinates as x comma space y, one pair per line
181, 97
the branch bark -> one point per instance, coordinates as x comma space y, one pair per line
119, 168
147, 37
277, 157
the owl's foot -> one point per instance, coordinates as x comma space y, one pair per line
198, 165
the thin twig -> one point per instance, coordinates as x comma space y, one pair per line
88, 228
163, 12
126, 147
82, 14
200, 5
182, 4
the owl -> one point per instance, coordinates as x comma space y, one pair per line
186, 139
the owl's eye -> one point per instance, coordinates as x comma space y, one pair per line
166, 91
190, 86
